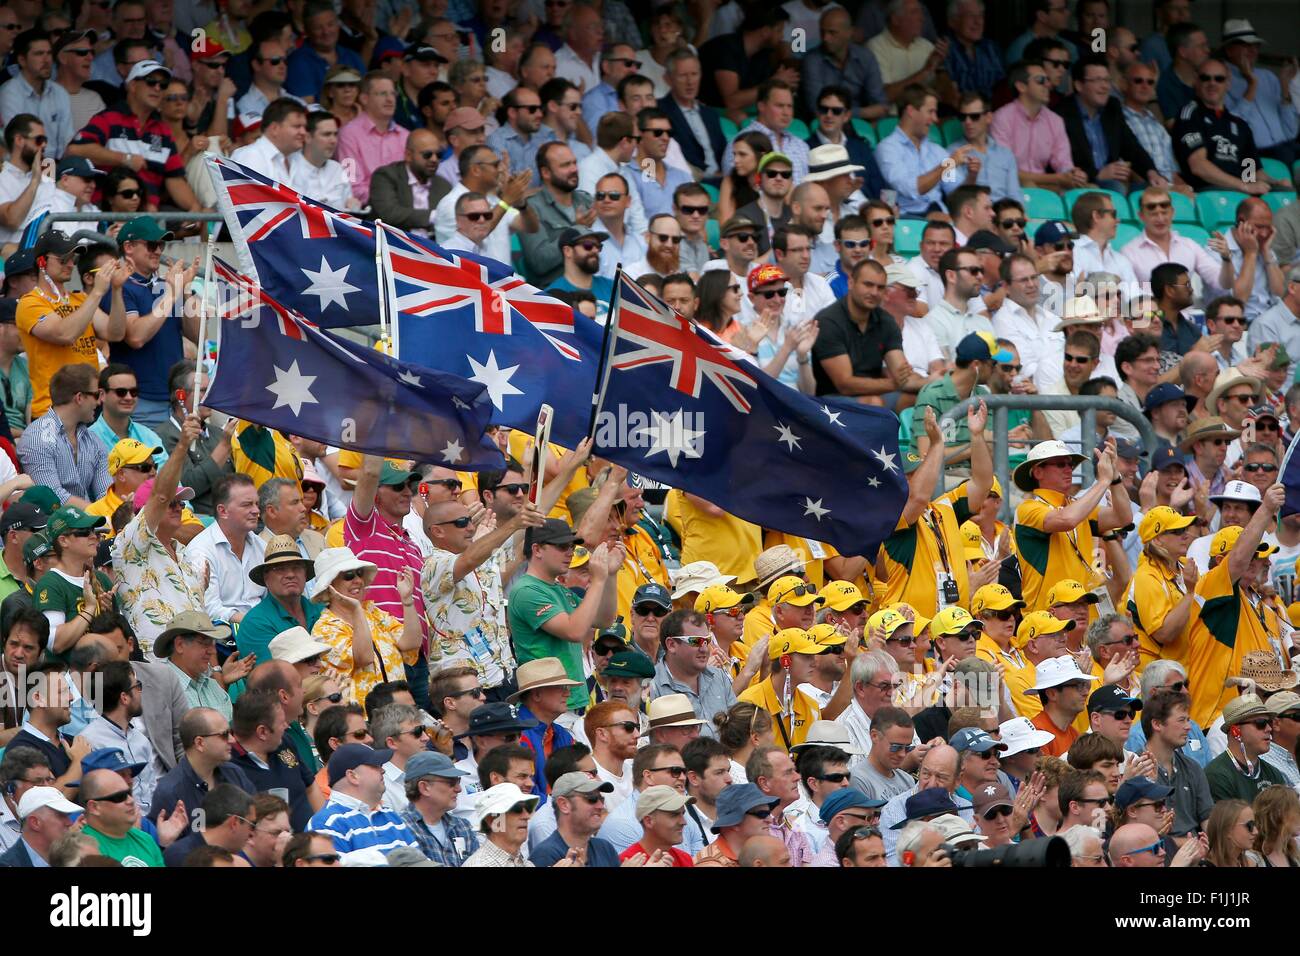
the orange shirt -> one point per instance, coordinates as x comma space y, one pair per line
1064, 738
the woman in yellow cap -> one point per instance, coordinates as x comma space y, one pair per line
999, 611
1163, 590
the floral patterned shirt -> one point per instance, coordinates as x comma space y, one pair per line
465, 617
356, 683
155, 586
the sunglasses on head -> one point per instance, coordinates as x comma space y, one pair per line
650, 610
461, 522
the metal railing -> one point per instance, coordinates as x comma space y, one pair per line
127, 216
1086, 405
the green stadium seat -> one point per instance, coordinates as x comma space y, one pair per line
1120, 200
907, 236
1274, 167
798, 129
1125, 233
713, 233
1277, 200
1198, 234
1043, 204
1184, 208
711, 190
951, 131
884, 126
1218, 206
864, 129
729, 128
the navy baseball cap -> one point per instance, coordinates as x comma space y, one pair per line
1111, 697
842, 800
1140, 788
654, 593
932, 802
496, 718
350, 756
1167, 457
1050, 232
736, 800
980, 347
1127, 450
1163, 394
975, 740
77, 166
109, 758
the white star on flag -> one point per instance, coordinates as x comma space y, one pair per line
671, 436
886, 459
814, 508
452, 453
833, 416
410, 378
787, 436
460, 402
496, 379
329, 285
292, 388
873, 481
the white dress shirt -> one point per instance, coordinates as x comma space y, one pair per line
571, 67
1042, 351
265, 157
497, 242
931, 290
230, 590
1090, 257
327, 182
12, 183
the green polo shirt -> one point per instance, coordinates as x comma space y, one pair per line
266, 620
941, 395
533, 602
8, 583
137, 848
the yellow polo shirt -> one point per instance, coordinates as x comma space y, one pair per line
643, 564
1154, 591
518, 444
729, 542
914, 555
111, 501
987, 649
1046, 558
803, 712
46, 358
1223, 628
814, 567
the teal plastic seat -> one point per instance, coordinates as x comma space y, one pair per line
951, 130
1274, 167
798, 129
1125, 233
729, 128
711, 190
1279, 200
713, 232
1184, 208
885, 125
1043, 204
1218, 207
1197, 233
1121, 202
864, 129
907, 236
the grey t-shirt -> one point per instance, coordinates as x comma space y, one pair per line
877, 786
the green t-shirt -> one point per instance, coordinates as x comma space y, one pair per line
56, 591
8, 583
533, 602
137, 848
941, 395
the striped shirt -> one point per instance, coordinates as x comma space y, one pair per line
391, 549
47, 456
119, 129
354, 826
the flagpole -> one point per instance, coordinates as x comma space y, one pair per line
208, 252
602, 371
379, 278
388, 292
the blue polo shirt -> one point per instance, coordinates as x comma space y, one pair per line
267, 619
152, 361
553, 849
181, 783
285, 773
307, 69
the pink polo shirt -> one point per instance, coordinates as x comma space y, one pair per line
1037, 143
391, 549
1145, 255
368, 148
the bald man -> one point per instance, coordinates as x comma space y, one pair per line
1136, 844
285, 680
764, 851
938, 769
406, 193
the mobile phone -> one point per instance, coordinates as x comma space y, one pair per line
424, 489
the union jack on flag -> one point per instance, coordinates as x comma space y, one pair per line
239, 297
431, 280
663, 335
262, 206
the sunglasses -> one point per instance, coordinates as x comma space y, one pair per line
225, 734
834, 777
145, 468
742, 237
1232, 319
1157, 206
461, 522
1129, 639
514, 488
120, 797
124, 392
1011, 369
452, 484
628, 726
1124, 713
416, 732
832, 110
856, 243
273, 60
330, 858
1078, 359
901, 748
650, 610
351, 575
656, 132
361, 734
1013, 223
1063, 246
1260, 723
1006, 614
176, 98
1212, 78
902, 641
972, 117
1062, 64
612, 196
677, 771
772, 293
779, 173
1157, 805
129, 193
472, 691
735, 613
334, 698
39, 140
973, 270
887, 221
477, 216
664, 237
1142, 81
799, 590
759, 813
694, 210
1244, 399
84, 533
1262, 465
1156, 849
692, 641
998, 812
159, 84
590, 246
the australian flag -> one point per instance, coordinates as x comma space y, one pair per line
684, 408
455, 311
279, 370
1291, 478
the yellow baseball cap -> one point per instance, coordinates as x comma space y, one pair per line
952, 620
793, 590
996, 489
885, 621
1067, 591
580, 557
841, 595
1162, 519
973, 539
1293, 613
719, 597
826, 635
793, 640
993, 597
128, 451
1225, 539
919, 621
1038, 623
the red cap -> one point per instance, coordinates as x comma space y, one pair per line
765, 274
208, 49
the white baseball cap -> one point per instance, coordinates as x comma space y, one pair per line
1019, 734
146, 68
1056, 671
497, 800
51, 797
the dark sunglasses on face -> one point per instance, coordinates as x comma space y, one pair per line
1013, 223
471, 691
742, 237
84, 533
834, 777
1123, 714
361, 734
80, 51
590, 246
351, 574
1260, 723
145, 468
414, 732
451, 484
155, 84
779, 173
886, 221
1262, 465
1142, 81
124, 392
675, 771
128, 193
39, 140
664, 237
477, 216
1212, 78
649, 610
998, 812
759, 813
694, 210
656, 132
613, 196
225, 734
909, 641
832, 110
972, 116
523, 806
334, 698
628, 726
1063, 246
461, 522
1232, 319
772, 293
273, 60
1006, 614
855, 243
901, 748
329, 858
120, 797
514, 488
1077, 359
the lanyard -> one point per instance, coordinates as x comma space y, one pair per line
1071, 536
928, 518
